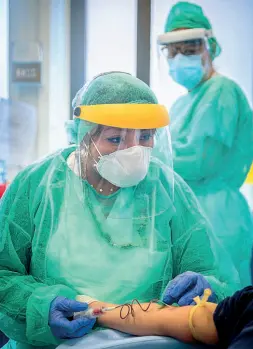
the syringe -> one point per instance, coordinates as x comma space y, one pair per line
93, 313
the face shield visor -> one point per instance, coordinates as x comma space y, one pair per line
125, 172
187, 48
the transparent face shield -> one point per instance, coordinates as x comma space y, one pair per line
125, 173
17, 137
185, 41
186, 48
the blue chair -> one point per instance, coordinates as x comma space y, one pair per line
113, 339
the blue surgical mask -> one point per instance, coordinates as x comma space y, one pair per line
187, 71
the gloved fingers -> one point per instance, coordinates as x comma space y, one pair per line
185, 287
68, 314
176, 289
80, 332
187, 299
197, 290
168, 299
69, 327
71, 306
212, 298
173, 295
181, 287
174, 281
80, 323
202, 285
84, 330
60, 328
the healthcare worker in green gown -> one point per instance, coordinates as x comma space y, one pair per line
103, 219
211, 130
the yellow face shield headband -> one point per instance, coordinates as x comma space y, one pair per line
130, 116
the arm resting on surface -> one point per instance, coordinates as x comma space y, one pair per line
166, 321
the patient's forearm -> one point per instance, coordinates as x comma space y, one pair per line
168, 321
160, 322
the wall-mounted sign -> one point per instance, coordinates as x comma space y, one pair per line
26, 72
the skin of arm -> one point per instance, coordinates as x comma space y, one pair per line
167, 321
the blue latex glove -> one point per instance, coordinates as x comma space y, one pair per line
61, 310
185, 287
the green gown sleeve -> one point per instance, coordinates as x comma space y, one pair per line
211, 133
24, 301
195, 247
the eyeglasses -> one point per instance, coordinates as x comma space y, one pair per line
187, 48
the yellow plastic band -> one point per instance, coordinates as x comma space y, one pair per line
249, 179
131, 116
199, 303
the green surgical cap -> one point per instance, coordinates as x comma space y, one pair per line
114, 88
188, 16
108, 88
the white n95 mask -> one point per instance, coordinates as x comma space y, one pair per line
125, 168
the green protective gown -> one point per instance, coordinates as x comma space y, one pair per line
212, 140
53, 243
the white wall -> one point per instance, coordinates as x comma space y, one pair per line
4, 56
232, 24
111, 45
48, 23
59, 72
111, 36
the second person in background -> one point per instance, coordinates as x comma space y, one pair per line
211, 129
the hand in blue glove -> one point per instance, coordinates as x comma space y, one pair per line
61, 310
185, 287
